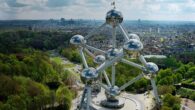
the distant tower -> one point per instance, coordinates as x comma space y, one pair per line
158, 30
139, 20
62, 21
150, 30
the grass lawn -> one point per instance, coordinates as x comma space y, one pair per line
68, 65
58, 60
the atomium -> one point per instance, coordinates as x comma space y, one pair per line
109, 58
114, 17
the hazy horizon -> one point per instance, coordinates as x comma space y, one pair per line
101, 20
158, 10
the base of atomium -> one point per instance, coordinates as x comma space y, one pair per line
129, 102
124, 101
113, 103
107, 105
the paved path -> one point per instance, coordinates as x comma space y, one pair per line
183, 107
139, 104
132, 102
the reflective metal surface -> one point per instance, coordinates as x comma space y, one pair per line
112, 53
89, 73
77, 40
133, 45
113, 17
99, 59
152, 67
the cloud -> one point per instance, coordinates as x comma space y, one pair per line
174, 8
14, 3
59, 3
96, 9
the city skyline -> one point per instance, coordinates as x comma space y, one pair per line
177, 10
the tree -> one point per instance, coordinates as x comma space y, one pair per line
191, 73
164, 73
16, 102
76, 57
8, 87
64, 97
176, 107
171, 101
178, 77
165, 89
192, 96
165, 108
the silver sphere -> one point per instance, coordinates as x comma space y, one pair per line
89, 74
151, 67
134, 36
114, 91
99, 59
77, 40
133, 45
114, 17
112, 53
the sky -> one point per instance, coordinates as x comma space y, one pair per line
177, 10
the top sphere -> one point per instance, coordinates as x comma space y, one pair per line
77, 40
113, 17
